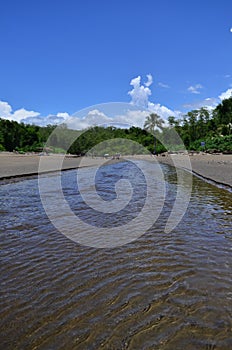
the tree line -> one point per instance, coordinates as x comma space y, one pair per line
203, 129
199, 129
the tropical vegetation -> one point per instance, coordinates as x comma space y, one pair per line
199, 130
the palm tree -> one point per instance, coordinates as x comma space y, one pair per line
152, 122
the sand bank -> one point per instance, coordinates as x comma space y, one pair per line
217, 168
17, 165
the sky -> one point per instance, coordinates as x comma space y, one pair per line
59, 57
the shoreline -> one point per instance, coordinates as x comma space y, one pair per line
214, 168
15, 167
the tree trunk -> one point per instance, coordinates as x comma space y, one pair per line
154, 145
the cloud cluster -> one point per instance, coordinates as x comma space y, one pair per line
92, 118
210, 102
195, 89
140, 93
5, 110
124, 118
140, 98
140, 104
134, 115
163, 111
226, 94
30, 117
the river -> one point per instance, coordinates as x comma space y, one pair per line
161, 291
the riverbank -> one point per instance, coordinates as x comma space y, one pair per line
217, 168
16, 166
19, 165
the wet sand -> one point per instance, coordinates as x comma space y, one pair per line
15, 166
217, 168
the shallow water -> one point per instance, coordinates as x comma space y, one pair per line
162, 291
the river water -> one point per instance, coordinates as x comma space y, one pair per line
162, 291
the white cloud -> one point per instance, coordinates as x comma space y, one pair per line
44, 120
209, 102
18, 115
231, 29
96, 117
226, 94
165, 86
195, 89
140, 97
139, 94
63, 115
135, 117
23, 114
5, 110
162, 111
139, 107
149, 80
93, 117
30, 117
132, 117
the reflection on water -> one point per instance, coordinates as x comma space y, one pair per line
163, 291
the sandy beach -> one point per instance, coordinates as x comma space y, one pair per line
217, 168
18, 165
214, 167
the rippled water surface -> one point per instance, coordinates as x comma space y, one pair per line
162, 291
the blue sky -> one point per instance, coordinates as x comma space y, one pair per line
58, 57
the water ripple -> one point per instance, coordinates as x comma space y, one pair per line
163, 291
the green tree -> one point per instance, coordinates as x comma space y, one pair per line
223, 112
192, 120
171, 121
152, 122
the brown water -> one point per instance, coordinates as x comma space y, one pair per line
163, 291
